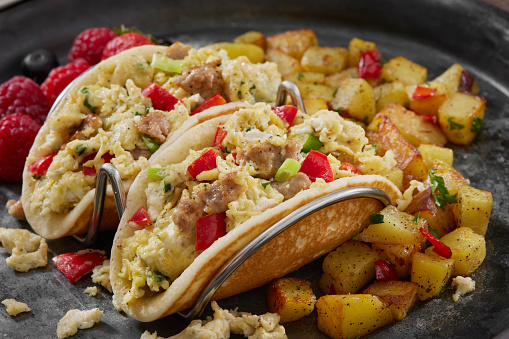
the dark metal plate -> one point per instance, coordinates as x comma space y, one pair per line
433, 33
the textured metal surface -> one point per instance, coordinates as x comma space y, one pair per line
433, 33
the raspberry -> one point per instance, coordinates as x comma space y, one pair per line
60, 77
89, 45
22, 95
17, 133
123, 42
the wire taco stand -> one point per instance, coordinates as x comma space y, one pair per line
109, 172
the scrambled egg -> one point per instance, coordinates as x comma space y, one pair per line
15, 307
91, 291
76, 319
225, 322
101, 275
463, 285
27, 250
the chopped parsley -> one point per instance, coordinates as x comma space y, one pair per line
415, 220
300, 76
334, 94
339, 109
147, 109
252, 87
80, 149
265, 184
167, 187
440, 192
454, 125
249, 129
356, 236
138, 114
159, 278
476, 125
406, 104
376, 218
239, 94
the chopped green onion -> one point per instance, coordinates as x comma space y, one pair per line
288, 169
439, 191
476, 125
265, 184
86, 103
156, 173
167, 187
376, 218
80, 149
159, 278
166, 64
150, 143
311, 143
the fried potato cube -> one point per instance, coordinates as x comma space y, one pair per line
325, 60
416, 129
461, 117
398, 255
351, 315
433, 153
356, 98
396, 228
403, 70
254, 53
453, 179
348, 268
355, 47
388, 93
293, 43
290, 297
333, 80
399, 295
286, 64
314, 105
451, 78
441, 220
252, 37
312, 91
430, 273
473, 209
427, 105
306, 78
408, 157
468, 250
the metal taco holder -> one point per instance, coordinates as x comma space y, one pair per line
109, 172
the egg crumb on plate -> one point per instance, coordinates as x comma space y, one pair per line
77, 319
15, 307
27, 250
463, 286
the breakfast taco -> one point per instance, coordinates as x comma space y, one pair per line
222, 184
125, 111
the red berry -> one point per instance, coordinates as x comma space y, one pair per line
17, 133
89, 45
123, 42
22, 95
60, 77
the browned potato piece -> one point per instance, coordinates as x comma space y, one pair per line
314, 105
325, 60
306, 78
468, 250
312, 91
351, 315
397, 228
398, 255
252, 37
461, 117
440, 220
416, 129
333, 80
356, 98
431, 273
451, 78
473, 209
293, 43
285, 63
400, 295
254, 53
290, 297
453, 179
348, 268
408, 156
355, 47
427, 105
403, 70
388, 93
433, 153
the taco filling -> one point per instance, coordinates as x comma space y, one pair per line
262, 156
132, 109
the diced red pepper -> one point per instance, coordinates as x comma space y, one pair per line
369, 65
438, 247
90, 170
431, 118
220, 135
466, 83
208, 229
384, 270
40, 166
75, 265
215, 100
346, 166
422, 92
316, 165
287, 113
161, 98
206, 162
140, 218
